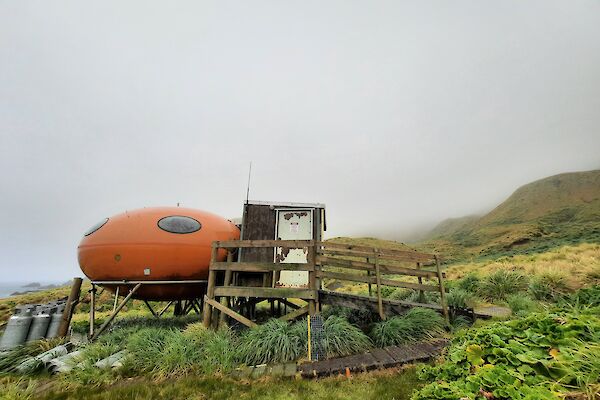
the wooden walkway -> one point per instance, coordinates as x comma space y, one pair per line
377, 358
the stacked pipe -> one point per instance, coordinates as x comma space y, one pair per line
32, 322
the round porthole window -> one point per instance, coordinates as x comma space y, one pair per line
179, 224
96, 227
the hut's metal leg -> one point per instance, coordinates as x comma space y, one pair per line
151, 309
116, 299
114, 314
165, 309
92, 309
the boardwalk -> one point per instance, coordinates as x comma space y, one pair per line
377, 358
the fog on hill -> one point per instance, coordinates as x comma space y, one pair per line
397, 115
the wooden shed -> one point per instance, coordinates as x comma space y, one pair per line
267, 220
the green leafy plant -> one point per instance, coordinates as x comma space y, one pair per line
536, 357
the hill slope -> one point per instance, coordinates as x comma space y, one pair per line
561, 209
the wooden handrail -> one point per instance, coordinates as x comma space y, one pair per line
234, 244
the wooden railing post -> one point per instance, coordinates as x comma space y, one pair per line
312, 278
210, 290
225, 300
421, 293
442, 290
379, 299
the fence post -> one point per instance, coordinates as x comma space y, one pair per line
379, 300
225, 300
421, 293
210, 290
312, 281
442, 290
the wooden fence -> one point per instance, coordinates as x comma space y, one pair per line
325, 260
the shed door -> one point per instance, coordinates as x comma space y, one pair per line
293, 224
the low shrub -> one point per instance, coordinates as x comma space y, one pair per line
502, 283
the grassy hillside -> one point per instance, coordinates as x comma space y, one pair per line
560, 210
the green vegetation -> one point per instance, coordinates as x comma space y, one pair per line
340, 338
549, 213
417, 324
500, 284
275, 341
536, 357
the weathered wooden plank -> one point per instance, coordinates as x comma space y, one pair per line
384, 253
230, 312
265, 292
366, 266
260, 267
383, 358
373, 279
359, 302
233, 244
294, 314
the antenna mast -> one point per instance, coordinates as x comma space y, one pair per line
248, 187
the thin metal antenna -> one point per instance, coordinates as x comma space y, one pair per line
248, 187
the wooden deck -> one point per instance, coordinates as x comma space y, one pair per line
375, 359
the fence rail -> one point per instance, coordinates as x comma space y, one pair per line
325, 260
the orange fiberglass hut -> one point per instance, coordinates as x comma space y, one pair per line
162, 244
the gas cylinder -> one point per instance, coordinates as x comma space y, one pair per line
55, 320
39, 324
17, 328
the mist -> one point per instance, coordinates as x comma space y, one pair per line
396, 115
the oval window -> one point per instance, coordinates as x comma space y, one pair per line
179, 224
96, 227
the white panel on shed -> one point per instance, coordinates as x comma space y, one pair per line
293, 224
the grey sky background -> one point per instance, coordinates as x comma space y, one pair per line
395, 114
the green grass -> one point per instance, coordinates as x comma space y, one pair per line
384, 385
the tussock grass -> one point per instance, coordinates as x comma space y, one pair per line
580, 264
17, 389
459, 298
341, 338
502, 283
521, 304
416, 324
272, 342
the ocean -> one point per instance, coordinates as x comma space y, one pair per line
7, 288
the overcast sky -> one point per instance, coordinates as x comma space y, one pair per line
395, 114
